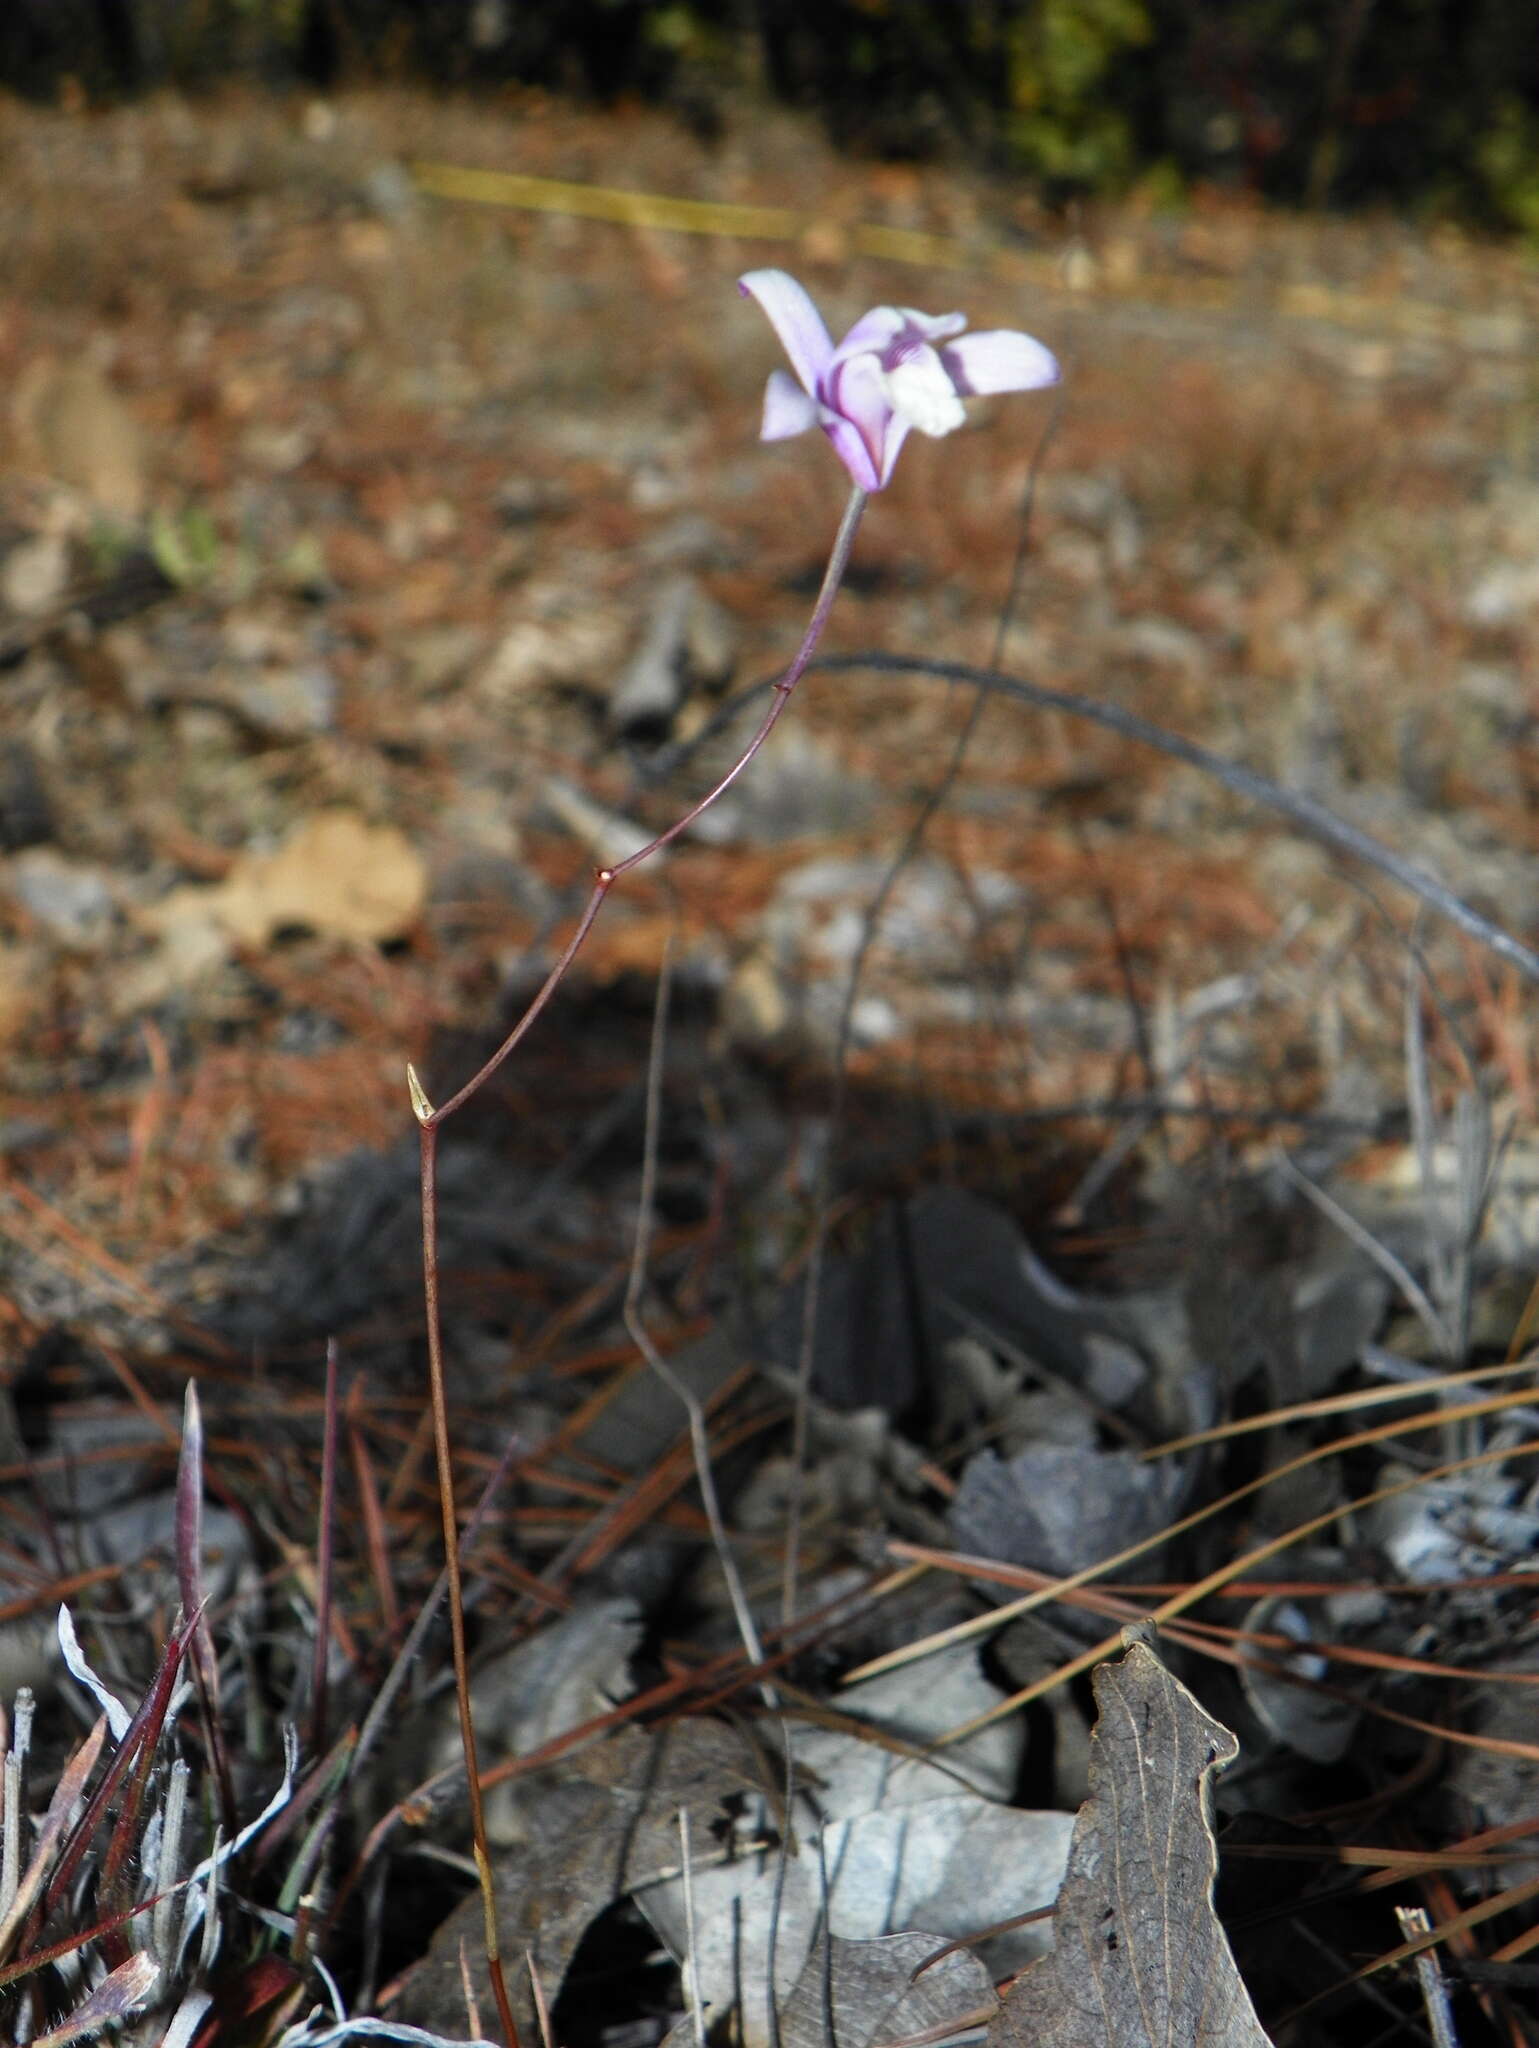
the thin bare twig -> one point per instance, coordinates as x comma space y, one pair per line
913, 840
324, 1558
1312, 818
641, 1337
1416, 1920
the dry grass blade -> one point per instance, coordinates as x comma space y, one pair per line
373, 1517
1341, 1404
983, 1624
444, 1460
67, 1794
115, 1999
1208, 1638
324, 1558
1191, 1596
189, 1573
144, 1729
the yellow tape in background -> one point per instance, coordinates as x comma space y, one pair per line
1501, 331
683, 216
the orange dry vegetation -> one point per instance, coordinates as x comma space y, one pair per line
444, 454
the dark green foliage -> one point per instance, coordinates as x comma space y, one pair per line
1406, 102
1425, 103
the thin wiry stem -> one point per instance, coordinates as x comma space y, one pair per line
429, 1121
605, 878
445, 1458
324, 1559
1394, 1269
691, 1981
913, 840
1313, 819
641, 1337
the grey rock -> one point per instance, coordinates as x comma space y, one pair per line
1163, 643
687, 639
92, 1465
287, 703
689, 542
35, 574
928, 920
799, 788
72, 902
522, 499
652, 684
1057, 1508
1504, 596
440, 656
388, 190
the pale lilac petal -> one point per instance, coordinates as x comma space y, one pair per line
885, 327
895, 371
998, 361
795, 319
787, 409
897, 434
850, 447
934, 327
872, 333
857, 391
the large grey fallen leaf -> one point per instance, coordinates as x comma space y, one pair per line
948, 1866
1060, 1507
852, 1993
852, 1776
607, 1819
857, 1992
947, 1264
887, 1843
1139, 1959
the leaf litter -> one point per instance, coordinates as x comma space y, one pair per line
294, 753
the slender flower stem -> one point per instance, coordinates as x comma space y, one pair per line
438, 1393
430, 1120
605, 878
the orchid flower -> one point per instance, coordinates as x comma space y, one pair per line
895, 369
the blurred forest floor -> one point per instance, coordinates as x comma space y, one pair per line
418, 472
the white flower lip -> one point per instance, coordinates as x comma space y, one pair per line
920, 391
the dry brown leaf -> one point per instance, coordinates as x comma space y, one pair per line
1139, 1958
72, 425
335, 873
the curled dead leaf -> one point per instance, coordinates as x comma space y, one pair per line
1139, 1959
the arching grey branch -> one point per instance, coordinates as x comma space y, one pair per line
1303, 811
